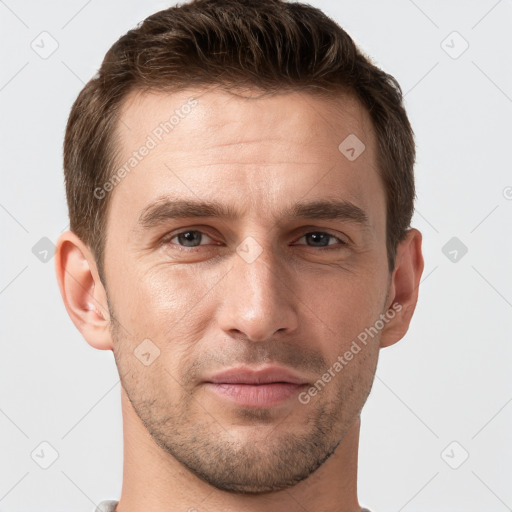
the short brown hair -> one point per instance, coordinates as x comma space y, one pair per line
270, 45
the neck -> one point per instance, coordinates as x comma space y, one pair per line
154, 480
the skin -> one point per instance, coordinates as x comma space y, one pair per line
295, 305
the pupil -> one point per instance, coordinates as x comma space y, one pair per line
321, 236
189, 236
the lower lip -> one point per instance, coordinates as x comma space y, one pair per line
256, 395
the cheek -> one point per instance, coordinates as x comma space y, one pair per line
343, 304
162, 303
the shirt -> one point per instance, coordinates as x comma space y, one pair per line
109, 506
106, 506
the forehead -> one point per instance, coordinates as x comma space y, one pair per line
261, 153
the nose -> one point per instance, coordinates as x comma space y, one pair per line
258, 299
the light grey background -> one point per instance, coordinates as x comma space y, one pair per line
447, 380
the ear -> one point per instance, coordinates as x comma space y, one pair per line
82, 291
403, 293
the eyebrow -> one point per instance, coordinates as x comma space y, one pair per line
166, 208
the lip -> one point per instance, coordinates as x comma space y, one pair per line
246, 375
262, 388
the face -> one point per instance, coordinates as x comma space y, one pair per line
244, 237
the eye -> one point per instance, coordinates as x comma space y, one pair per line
320, 239
190, 238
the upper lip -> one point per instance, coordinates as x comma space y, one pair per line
246, 375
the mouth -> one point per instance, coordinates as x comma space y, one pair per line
263, 388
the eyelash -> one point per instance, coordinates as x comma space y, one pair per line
167, 240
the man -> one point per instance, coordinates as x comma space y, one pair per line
240, 187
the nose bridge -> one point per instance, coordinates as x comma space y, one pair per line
257, 301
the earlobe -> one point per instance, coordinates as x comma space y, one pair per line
82, 290
404, 287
